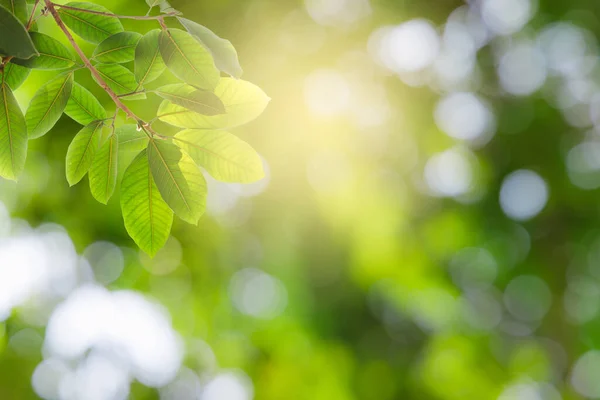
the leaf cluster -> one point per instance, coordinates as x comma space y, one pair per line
158, 175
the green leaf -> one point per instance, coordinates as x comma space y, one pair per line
48, 104
131, 139
178, 179
18, 8
153, 3
15, 75
120, 80
225, 157
82, 150
187, 59
13, 135
243, 102
14, 38
148, 63
223, 52
200, 101
147, 216
83, 106
118, 48
53, 54
93, 28
103, 172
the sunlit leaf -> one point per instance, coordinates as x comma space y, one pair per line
223, 52
178, 179
15, 75
14, 38
103, 171
120, 80
18, 8
82, 150
93, 28
243, 102
83, 106
52, 54
188, 59
13, 135
118, 48
148, 63
131, 139
226, 157
48, 104
147, 216
200, 101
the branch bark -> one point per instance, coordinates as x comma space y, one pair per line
93, 70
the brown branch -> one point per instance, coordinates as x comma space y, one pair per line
92, 69
30, 22
108, 14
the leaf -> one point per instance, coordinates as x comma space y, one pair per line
52, 54
82, 150
148, 63
103, 172
48, 104
187, 59
223, 52
243, 102
153, 3
93, 28
131, 139
15, 75
14, 38
200, 101
178, 179
18, 8
120, 80
118, 48
224, 156
147, 216
83, 106
13, 135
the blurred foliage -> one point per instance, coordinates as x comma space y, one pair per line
391, 290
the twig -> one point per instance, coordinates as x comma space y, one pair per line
108, 14
93, 70
30, 22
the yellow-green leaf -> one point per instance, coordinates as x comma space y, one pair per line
178, 179
188, 59
83, 106
224, 156
148, 63
82, 150
118, 48
15, 75
52, 54
120, 80
93, 28
200, 101
103, 171
147, 216
48, 104
13, 135
223, 52
243, 102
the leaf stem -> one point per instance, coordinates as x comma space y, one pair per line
93, 70
108, 14
31, 20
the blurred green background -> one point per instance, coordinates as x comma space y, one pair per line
428, 229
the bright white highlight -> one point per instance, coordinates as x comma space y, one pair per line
523, 195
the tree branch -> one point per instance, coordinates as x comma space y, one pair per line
92, 69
